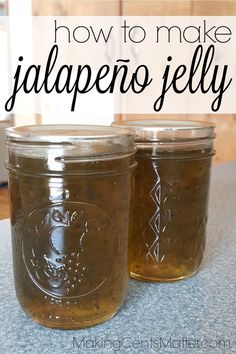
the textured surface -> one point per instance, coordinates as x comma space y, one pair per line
156, 318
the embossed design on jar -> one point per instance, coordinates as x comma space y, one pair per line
161, 194
155, 222
64, 250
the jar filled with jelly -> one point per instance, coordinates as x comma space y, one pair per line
168, 229
70, 193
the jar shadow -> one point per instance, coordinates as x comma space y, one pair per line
220, 224
136, 293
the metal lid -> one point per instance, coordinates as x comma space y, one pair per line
72, 140
63, 133
168, 130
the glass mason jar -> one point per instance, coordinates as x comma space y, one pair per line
70, 190
168, 233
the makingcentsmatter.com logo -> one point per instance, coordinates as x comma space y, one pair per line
158, 344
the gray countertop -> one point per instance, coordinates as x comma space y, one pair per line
197, 315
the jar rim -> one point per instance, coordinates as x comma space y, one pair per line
71, 141
62, 133
168, 129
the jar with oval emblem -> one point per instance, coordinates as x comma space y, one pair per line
70, 193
